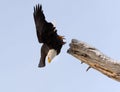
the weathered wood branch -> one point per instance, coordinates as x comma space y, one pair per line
95, 59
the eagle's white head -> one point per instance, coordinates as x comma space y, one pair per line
51, 54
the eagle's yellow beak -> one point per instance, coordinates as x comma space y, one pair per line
49, 60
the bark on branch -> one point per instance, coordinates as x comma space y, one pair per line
95, 59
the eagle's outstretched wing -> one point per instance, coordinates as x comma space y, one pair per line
44, 52
40, 21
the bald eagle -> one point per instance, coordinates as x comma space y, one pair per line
46, 34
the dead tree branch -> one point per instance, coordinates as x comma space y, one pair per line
95, 59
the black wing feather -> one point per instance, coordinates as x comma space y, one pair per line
44, 51
40, 21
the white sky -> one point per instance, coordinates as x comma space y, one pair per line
96, 22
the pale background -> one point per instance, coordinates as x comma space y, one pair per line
96, 22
